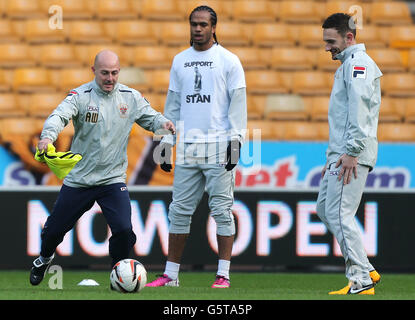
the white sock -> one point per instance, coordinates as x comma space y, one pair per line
223, 268
46, 260
172, 270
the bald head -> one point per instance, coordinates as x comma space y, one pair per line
106, 69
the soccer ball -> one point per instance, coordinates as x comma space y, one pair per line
128, 275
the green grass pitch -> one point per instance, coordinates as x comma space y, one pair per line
14, 285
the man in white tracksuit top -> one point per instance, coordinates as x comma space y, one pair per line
207, 102
352, 151
103, 112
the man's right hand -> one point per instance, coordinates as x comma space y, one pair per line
43, 144
165, 156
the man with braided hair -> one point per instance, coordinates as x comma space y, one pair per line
207, 99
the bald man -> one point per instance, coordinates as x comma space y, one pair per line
103, 112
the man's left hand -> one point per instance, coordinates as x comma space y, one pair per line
170, 127
348, 167
233, 153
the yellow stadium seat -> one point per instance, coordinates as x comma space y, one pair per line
250, 57
409, 111
325, 62
388, 60
300, 131
15, 126
398, 84
232, 34
7, 32
391, 132
390, 13
135, 78
161, 10
15, 55
84, 31
151, 57
175, 33
256, 106
37, 31
322, 130
389, 111
319, 107
5, 83
9, 106
59, 56
41, 105
160, 80
273, 35
264, 130
311, 36
156, 100
136, 32
253, 11
32, 80
292, 59
285, 107
115, 9
24, 9
72, 78
71, 9
299, 12
411, 60
402, 37
370, 35
310, 83
222, 8
264, 81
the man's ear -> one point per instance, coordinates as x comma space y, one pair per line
349, 37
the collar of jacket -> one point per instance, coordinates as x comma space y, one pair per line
98, 90
342, 56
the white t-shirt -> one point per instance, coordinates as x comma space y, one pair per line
204, 80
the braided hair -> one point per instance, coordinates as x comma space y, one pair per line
213, 19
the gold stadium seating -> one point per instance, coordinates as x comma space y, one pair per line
32, 80
285, 107
299, 12
300, 131
85, 31
136, 32
7, 33
405, 132
41, 105
59, 56
402, 37
15, 55
390, 110
409, 110
23, 9
390, 13
161, 10
389, 59
399, 84
264, 82
9, 106
272, 35
115, 9
253, 11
